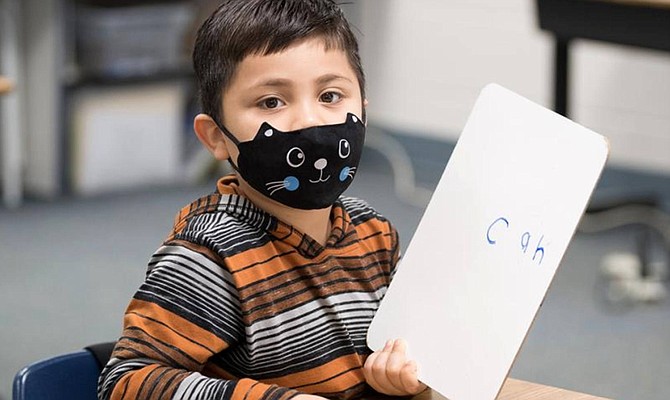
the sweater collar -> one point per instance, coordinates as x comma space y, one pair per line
241, 208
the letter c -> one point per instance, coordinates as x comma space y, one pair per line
488, 231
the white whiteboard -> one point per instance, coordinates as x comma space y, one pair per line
489, 243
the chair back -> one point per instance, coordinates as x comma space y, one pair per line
72, 376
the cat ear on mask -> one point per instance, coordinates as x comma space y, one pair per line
352, 118
266, 131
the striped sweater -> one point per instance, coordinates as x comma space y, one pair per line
239, 305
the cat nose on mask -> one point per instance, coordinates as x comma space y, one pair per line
320, 164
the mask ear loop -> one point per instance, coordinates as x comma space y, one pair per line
235, 141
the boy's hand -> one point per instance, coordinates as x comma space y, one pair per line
304, 396
389, 371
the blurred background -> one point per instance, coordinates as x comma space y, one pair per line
97, 155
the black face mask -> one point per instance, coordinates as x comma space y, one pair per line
306, 168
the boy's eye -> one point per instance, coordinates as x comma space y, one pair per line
331, 97
271, 102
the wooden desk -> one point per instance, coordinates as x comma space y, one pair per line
641, 23
513, 389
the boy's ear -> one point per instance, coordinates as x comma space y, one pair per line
365, 112
211, 136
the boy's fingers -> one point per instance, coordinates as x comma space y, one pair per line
368, 363
389, 372
367, 367
408, 378
368, 371
369, 378
378, 369
400, 346
394, 365
381, 386
374, 370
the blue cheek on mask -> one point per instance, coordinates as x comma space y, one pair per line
344, 174
291, 183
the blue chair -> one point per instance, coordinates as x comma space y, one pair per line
72, 376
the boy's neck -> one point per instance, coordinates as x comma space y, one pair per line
315, 223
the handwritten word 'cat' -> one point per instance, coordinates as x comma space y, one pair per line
501, 224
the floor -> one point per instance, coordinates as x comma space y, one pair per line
69, 267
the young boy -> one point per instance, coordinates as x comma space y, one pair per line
265, 289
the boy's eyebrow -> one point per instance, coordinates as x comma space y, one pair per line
274, 82
331, 77
280, 82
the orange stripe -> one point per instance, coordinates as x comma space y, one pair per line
134, 381
249, 389
265, 268
339, 384
307, 379
178, 326
249, 275
372, 233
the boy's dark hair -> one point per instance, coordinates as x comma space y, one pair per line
239, 28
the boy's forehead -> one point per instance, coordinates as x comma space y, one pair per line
306, 60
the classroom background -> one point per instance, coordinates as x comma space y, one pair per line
97, 155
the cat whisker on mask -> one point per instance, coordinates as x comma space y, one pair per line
273, 185
275, 189
290, 183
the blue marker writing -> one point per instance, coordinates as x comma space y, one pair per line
488, 231
493, 233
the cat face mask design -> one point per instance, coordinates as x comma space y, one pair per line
306, 168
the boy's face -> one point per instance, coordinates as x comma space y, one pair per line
300, 87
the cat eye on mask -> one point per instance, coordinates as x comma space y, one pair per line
307, 168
